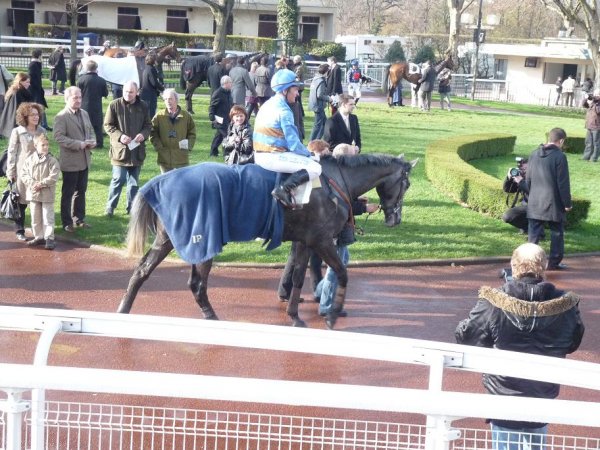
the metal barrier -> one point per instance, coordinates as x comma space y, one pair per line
81, 425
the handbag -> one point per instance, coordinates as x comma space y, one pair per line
9, 204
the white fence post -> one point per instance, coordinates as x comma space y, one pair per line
38, 396
14, 407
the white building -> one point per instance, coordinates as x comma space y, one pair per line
368, 47
530, 71
249, 18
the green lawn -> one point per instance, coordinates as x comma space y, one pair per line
433, 225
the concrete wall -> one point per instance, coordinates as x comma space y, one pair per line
103, 14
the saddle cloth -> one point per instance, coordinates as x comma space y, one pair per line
205, 206
115, 70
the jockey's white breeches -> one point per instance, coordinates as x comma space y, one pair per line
287, 162
354, 90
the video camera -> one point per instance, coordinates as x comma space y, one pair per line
521, 168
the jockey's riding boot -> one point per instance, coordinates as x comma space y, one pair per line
283, 192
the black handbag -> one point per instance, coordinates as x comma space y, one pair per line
9, 205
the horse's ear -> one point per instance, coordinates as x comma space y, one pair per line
414, 162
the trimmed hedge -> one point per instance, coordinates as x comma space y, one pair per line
160, 38
447, 167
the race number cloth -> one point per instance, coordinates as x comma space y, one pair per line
205, 206
115, 70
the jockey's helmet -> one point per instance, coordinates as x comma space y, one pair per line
354, 62
107, 44
284, 79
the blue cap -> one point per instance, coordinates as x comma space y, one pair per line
284, 79
354, 62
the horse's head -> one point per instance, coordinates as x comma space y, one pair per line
391, 191
172, 52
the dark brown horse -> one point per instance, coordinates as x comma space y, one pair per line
313, 226
194, 71
397, 71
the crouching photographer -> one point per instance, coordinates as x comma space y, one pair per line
514, 183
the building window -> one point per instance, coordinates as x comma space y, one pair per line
19, 16
367, 42
267, 25
128, 18
500, 66
308, 29
177, 21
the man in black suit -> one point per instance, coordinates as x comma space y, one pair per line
215, 73
342, 127
218, 113
334, 83
93, 88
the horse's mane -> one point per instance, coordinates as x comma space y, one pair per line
352, 161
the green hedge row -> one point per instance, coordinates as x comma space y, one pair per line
160, 38
447, 167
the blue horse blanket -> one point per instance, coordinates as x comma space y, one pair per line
205, 206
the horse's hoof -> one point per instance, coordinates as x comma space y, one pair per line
331, 320
211, 317
298, 323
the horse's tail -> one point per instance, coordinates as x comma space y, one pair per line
386, 79
142, 220
73, 70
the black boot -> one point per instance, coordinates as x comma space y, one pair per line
283, 192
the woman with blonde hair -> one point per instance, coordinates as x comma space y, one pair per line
17, 93
20, 146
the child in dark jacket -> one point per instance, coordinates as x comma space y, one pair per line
237, 145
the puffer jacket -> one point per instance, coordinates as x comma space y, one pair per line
43, 170
526, 315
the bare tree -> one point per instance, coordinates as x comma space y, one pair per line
586, 14
221, 10
74, 8
456, 8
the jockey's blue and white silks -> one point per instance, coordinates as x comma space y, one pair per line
205, 206
274, 129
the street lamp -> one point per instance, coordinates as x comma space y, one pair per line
477, 38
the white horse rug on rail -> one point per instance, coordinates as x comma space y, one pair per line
115, 70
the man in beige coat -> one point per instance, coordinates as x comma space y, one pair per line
75, 136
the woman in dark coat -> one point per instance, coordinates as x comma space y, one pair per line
151, 86
35, 88
17, 93
58, 69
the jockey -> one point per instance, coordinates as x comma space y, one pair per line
277, 144
105, 46
354, 81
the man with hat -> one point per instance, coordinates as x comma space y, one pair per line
277, 144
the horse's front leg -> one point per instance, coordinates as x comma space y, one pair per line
299, 254
160, 249
198, 284
329, 254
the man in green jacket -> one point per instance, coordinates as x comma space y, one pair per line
173, 134
128, 125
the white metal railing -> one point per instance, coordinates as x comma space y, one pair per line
440, 407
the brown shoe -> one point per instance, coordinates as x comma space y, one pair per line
69, 228
83, 224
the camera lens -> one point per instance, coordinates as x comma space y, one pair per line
514, 172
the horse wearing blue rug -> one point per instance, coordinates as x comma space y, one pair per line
199, 209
